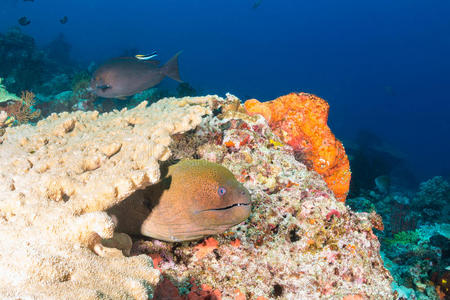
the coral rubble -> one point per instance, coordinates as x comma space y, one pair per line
300, 120
57, 179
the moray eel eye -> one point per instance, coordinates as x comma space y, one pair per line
221, 191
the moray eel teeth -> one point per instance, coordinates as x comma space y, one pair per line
194, 199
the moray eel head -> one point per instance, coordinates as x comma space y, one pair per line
194, 199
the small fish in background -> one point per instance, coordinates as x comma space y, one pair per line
125, 76
63, 20
146, 56
256, 4
28, 0
24, 21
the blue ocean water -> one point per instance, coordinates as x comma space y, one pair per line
383, 66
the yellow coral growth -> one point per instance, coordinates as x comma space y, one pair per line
300, 120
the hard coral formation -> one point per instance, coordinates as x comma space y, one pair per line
300, 120
434, 192
58, 178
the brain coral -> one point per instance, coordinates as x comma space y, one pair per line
300, 120
58, 178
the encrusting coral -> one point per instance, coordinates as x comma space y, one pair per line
300, 120
58, 178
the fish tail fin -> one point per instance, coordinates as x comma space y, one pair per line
170, 69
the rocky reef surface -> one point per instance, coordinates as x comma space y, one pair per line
57, 179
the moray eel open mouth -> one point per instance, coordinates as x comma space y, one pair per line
224, 208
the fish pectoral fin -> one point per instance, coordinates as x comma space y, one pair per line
103, 87
122, 97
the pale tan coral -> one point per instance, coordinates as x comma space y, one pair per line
57, 178
3, 117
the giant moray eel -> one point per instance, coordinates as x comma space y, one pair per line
195, 198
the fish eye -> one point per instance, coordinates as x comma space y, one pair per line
221, 191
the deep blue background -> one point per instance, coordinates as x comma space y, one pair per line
382, 65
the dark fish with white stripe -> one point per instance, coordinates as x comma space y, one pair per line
125, 76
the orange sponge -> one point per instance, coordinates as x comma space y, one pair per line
300, 120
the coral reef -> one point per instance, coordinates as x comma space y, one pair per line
57, 179
300, 120
299, 241
5, 95
151, 95
3, 118
414, 258
185, 89
434, 194
21, 63
54, 85
22, 110
24, 66
58, 50
370, 158
15, 110
415, 244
